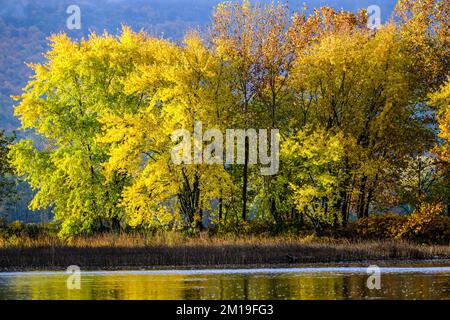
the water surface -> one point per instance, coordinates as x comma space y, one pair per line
249, 284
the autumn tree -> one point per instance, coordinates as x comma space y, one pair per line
182, 86
356, 82
424, 28
441, 101
63, 104
234, 38
254, 41
118, 120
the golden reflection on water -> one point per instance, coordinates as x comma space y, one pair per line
259, 286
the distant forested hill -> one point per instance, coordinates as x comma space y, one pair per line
25, 25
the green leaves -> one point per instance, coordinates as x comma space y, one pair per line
315, 159
64, 104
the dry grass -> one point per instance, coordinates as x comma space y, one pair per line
170, 239
173, 249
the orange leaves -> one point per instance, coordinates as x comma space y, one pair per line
441, 100
424, 26
426, 223
323, 22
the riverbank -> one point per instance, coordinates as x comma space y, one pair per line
214, 254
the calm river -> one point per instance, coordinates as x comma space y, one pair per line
412, 282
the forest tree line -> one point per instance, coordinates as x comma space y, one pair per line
363, 117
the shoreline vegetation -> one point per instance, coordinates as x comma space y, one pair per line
122, 251
360, 118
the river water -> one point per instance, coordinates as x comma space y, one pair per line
411, 282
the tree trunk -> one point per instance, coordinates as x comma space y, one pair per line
115, 225
345, 194
370, 196
344, 208
189, 198
220, 209
244, 185
273, 210
362, 197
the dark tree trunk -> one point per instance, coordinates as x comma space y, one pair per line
362, 197
189, 198
115, 225
273, 210
370, 195
245, 183
220, 209
197, 207
344, 208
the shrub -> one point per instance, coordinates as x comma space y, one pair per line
16, 227
28, 230
377, 226
31, 230
426, 224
